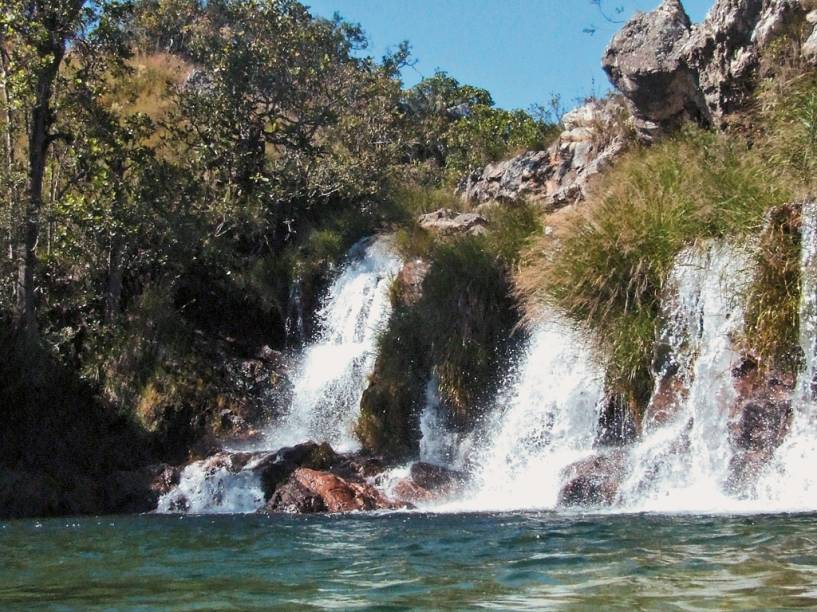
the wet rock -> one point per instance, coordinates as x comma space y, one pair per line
275, 468
428, 482
594, 481
446, 222
309, 490
294, 498
408, 491
594, 135
435, 477
759, 421
617, 423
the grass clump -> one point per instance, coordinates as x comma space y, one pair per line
608, 263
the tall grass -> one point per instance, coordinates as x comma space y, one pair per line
609, 262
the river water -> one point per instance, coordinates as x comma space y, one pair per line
410, 561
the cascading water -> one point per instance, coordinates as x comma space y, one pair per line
790, 480
328, 386
683, 462
546, 420
334, 370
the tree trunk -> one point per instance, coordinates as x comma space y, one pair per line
38, 142
113, 294
8, 147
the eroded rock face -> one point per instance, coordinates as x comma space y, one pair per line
446, 222
646, 61
594, 135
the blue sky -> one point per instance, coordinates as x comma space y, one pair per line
520, 50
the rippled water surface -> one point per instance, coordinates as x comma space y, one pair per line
403, 561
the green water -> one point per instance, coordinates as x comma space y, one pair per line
407, 561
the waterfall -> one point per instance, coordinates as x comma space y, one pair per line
790, 480
334, 369
328, 385
545, 420
683, 462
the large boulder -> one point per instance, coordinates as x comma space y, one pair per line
725, 50
646, 62
671, 71
594, 135
309, 490
275, 468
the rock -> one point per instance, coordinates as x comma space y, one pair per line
410, 281
646, 62
138, 490
594, 481
435, 478
726, 48
294, 498
408, 491
671, 71
446, 222
594, 135
759, 421
309, 490
809, 48
428, 482
275, 468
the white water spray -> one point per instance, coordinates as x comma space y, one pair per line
545, 421
684, 463
334, 370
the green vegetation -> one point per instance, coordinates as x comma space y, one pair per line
171, 170
461, 326
606, 265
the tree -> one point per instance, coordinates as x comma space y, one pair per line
35, 35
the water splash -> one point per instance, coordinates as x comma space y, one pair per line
334, 370
546, 420
221, 484
684, 462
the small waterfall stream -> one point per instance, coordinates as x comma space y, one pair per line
790, 480
545, 420
328, 385
334, 369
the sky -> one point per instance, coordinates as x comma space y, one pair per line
522, 51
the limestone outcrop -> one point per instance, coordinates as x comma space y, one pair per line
594, 135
